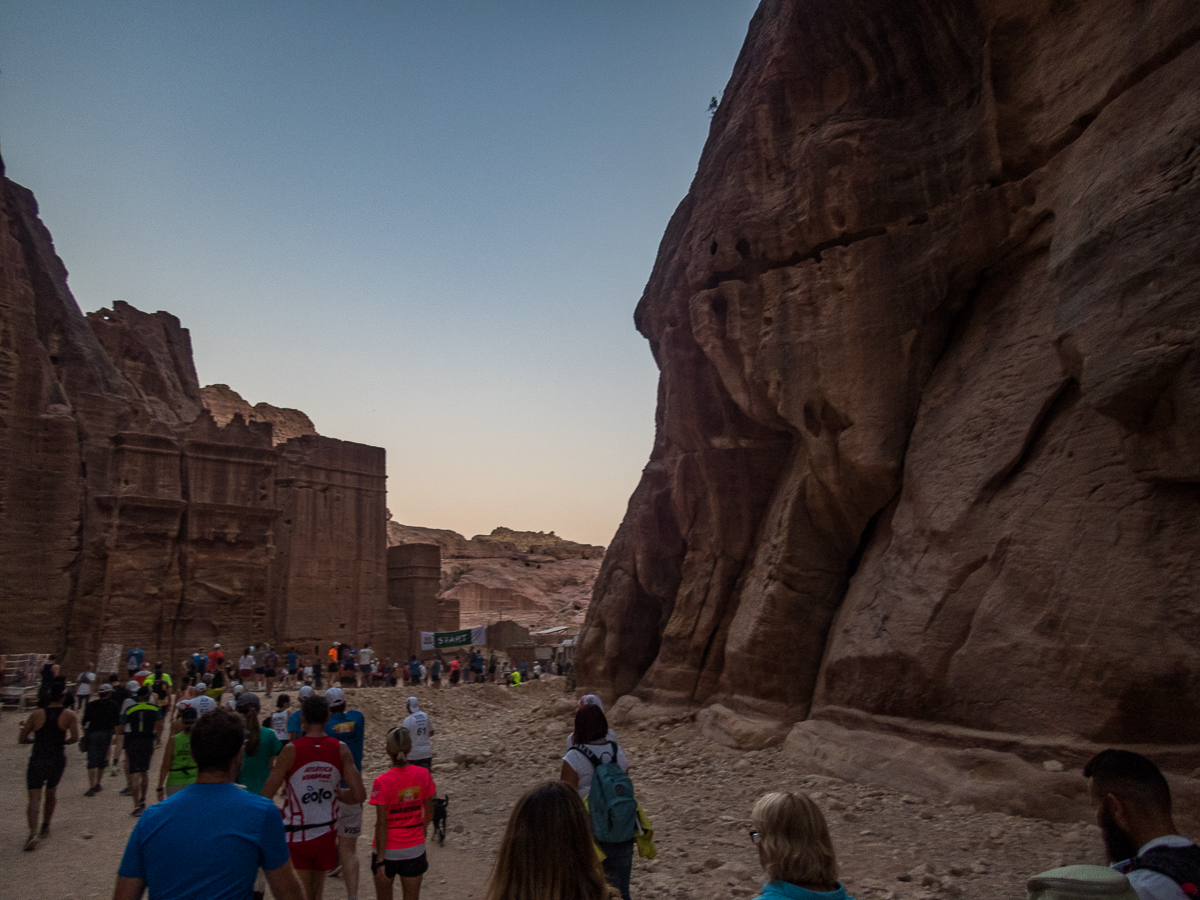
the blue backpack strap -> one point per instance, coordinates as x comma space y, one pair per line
1180, 864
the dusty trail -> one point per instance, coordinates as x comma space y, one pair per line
698, 793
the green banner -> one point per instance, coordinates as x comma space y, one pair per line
437, 640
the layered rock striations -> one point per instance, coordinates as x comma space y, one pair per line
130, 516
927, 325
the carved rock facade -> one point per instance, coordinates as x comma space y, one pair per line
128, 516
927, 324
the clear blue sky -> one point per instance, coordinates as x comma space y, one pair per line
424, 224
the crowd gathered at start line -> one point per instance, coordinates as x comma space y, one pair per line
224, 764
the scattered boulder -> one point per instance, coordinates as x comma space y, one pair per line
717, 723
987, 780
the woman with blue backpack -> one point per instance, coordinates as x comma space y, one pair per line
596, 767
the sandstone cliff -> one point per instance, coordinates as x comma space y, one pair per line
927, 324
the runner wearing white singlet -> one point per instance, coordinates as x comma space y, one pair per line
420, 726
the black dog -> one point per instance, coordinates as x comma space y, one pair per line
440, 805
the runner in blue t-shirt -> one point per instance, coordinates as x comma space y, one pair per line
241, 832
134, 661
349, 727
293, 665
294, 726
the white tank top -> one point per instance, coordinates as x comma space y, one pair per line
279, 725
418, 726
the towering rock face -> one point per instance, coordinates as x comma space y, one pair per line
927, 326
128, 515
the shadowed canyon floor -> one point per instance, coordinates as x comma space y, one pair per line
698, 793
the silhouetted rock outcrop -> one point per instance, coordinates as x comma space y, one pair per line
224, 403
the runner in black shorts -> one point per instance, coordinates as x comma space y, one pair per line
270, 667
144, 726
48, 729
405, 868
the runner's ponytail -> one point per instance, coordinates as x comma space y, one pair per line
399, 745
254, 733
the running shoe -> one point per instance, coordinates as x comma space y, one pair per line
126, 792
45, 832
90, 792
138, 810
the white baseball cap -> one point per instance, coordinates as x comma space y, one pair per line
204, 705
132, 685
335, 696
216, 646
306, 691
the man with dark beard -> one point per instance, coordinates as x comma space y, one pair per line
1133, 809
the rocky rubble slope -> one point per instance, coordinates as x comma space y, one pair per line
927, 324
533, 578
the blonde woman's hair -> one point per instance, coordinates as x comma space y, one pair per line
399, 745
794, 841
547, 851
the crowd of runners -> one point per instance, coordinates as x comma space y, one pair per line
224, 763
266, 669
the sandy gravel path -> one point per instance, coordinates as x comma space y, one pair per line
699, 794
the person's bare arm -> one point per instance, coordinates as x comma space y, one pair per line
72, 727
381, 831
129, 888
284, 883
168, 758
283, 762
356, 792
569, 775
36, 720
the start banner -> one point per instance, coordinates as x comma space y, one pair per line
436, 640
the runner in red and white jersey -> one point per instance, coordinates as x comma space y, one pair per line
312, 767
